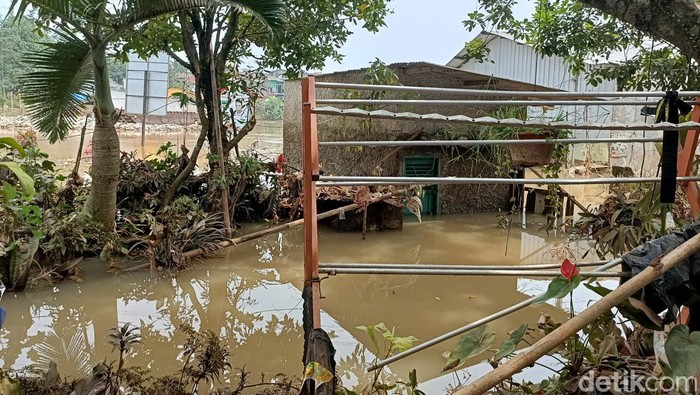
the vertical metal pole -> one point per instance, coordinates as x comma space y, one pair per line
145, 109
311, 174
524, 208
686, 157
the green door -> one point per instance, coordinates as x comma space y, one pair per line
424, 166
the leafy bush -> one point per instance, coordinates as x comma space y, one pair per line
271, 109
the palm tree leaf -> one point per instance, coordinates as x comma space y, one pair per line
271, 13
77, 13
54, 91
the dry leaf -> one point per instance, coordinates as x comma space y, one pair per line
415, 206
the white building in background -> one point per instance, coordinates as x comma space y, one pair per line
514, 60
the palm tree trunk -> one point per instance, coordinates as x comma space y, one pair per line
102, 202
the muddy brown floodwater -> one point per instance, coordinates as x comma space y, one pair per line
265, 138
251, 297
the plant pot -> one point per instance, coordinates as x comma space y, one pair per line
529, 155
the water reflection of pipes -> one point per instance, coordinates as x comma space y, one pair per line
332, 270
457, 267
468, 327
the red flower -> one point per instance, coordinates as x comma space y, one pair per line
569, 269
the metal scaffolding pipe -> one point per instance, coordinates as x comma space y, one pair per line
468, 327
389, 102
494, 93
471, 143
456, 267
326, 181
460, 272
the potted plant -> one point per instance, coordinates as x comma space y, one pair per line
525, 155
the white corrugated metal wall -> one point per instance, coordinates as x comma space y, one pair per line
516, 61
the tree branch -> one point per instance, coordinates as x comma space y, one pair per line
178, 59
229, 40
675, 21
241, 133
189, 45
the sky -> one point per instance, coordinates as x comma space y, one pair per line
418, 30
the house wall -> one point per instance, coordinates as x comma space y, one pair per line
387, 161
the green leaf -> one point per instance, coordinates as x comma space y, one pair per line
401, 344
470, 344
9, 192
369, 329
683, 351
9, 142
511, 344
558, 288
24, 179
632, 309
55, 90
270, 13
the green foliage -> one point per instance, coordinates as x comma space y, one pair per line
509, 346
271, 109
25, 180
470, 344
624, 221
123, 339
205, 356
558, 288
386, 343
587, 40
391, 342
62, 74
477, 50
318, 30
117, 70
10, 143
16, 38
632, 309
683, 351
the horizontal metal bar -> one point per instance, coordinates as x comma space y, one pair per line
490, 121
456, 267
325, 181
517, 103
452, 272
498, 93
471, 143
468, 327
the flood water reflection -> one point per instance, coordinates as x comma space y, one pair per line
251, 297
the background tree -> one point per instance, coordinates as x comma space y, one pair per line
16, 38
77, 63
315, 31
659, 41
178, 76
271, 109
117, 70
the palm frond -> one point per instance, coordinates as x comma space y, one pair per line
54, 91
271, 13
76, 13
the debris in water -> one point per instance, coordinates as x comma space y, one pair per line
415, 206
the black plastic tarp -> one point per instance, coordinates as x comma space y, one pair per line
678, 286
